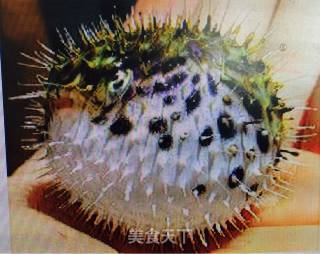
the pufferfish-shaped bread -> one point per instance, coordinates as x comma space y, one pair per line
172, 127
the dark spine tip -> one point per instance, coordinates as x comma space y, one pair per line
263, 140
165, 142
193, 101
199, 189
293, 153
195, 79
280, 155
158, 125
128, 95
170, 64
254, 187
121, 126
169, 99
236, 177
100, 119
250, 155
212, 86
206, 137
141, 91
160, 87
283, 110
176, 79
226, 126
253, 107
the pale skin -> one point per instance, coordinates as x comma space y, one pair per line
293, 224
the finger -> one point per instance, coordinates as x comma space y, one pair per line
33, 231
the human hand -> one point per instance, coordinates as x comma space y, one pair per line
299, 211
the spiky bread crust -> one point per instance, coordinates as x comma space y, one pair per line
171, 126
